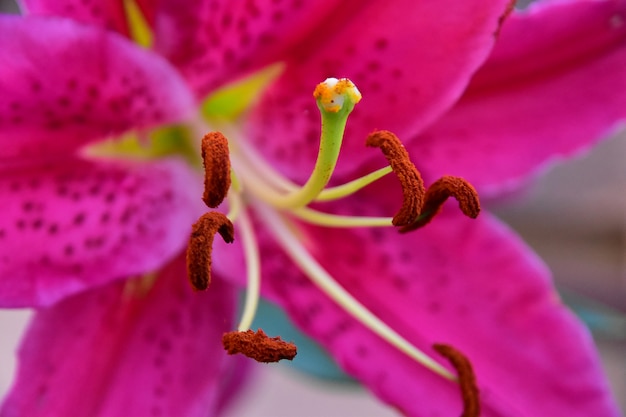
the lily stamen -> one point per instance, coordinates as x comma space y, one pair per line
336, 220
201, 245
258, 346
467, 379
437, 194
253, 271
344, 190
217, 172
410, 179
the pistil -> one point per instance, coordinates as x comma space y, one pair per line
336, 100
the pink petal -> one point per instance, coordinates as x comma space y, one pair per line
554, 85
471, 284
127, 349
64, 85
213, 42
68, 227
411, 60
105, 14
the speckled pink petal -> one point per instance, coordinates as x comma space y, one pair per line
467, 283
213, 42
555, 84
127, 349
68, 227
411, 60
108, 14
64, 85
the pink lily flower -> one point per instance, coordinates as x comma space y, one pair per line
76, 228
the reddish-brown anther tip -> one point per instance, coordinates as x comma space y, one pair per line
216, 159
438, 193
467, 379
201, 245
258, 346
410, 179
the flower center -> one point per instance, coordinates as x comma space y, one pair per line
253, 183
276, 201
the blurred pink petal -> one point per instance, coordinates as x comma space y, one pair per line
552, 87
71, 226
410, 60
213, 42
65, 85
470, 284
108, 14
126, 349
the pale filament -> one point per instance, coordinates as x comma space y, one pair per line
253, 270
320, 277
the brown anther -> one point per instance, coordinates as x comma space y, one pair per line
258, 346
467, 379
215, 156
410, 179
201, 245
438, 193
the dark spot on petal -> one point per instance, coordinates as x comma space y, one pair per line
150, 335
433, 307
35, 86
79, 219
159, 391
37, 223
361, 351
396, 73
400, 283
165, 345
53, 229
159, 361
381, 44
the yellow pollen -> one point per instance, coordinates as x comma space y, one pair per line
332, 93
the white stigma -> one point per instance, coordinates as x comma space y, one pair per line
332, 94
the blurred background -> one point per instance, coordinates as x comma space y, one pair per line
575, 219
